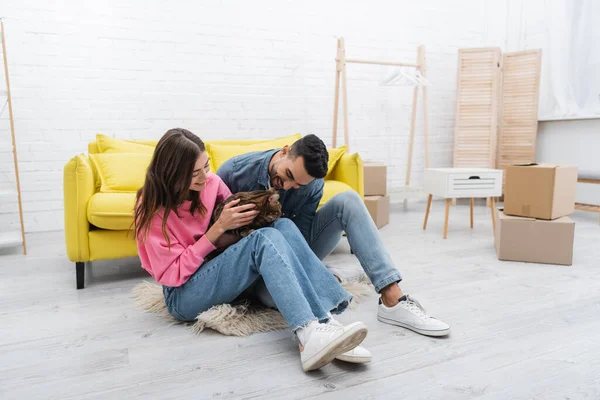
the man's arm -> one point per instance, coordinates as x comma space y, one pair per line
225, 172
308, 210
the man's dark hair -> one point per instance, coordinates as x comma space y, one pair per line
315, 155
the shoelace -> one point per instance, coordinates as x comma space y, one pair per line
416, 307
327, 327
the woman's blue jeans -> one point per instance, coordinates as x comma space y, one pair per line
301, 287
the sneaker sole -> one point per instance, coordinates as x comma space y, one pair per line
426, 332
346, 342
354, 359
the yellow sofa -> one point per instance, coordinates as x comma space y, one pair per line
97, 222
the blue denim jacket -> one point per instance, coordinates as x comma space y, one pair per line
250, 171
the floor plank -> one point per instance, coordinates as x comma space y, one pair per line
519, 330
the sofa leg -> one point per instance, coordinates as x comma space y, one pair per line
80, 274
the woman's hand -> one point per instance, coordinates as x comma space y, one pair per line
233, 217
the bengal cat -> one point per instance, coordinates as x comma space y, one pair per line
266, 202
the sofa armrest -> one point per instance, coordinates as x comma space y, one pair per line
349, 169
79, 187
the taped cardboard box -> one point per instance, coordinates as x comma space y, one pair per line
375, 176
534, 240
379, 209
545, 191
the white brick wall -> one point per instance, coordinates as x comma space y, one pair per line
259, 69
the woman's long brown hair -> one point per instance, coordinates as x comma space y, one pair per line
168, 181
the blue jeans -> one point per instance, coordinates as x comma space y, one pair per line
301, 286
346, 212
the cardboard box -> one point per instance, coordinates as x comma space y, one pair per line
379, 208
375, 174
534, 240
543, 191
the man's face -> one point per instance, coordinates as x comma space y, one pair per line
288, 172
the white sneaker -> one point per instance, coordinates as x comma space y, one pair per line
324, 342
411, 315
358, 355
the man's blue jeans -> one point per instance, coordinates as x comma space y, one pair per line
346, 212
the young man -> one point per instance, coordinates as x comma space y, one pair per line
297, 172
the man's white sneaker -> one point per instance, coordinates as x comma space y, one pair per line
409, 314
358, 355
324, 342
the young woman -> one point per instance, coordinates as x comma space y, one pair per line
172, 216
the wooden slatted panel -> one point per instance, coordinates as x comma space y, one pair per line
477, 92
518, 117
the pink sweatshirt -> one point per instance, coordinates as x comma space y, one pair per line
189, 246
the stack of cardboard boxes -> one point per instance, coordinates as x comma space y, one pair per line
534, 225
376, 198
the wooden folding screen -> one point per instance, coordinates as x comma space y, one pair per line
477, 91
518, 114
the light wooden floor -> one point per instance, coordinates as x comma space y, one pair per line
520, 331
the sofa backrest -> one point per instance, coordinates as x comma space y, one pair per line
93, 146
347, 171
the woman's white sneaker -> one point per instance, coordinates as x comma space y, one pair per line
409, 314
322, 343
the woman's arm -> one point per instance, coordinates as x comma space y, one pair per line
173, 265
219, 238
214, 233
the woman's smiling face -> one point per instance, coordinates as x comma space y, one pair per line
201, 169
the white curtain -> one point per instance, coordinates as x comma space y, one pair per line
570, 81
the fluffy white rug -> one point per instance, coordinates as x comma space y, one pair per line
241, 319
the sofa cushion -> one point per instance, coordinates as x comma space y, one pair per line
331, 189
219, 153
112, 211
121, 172
335, 153
106, 144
